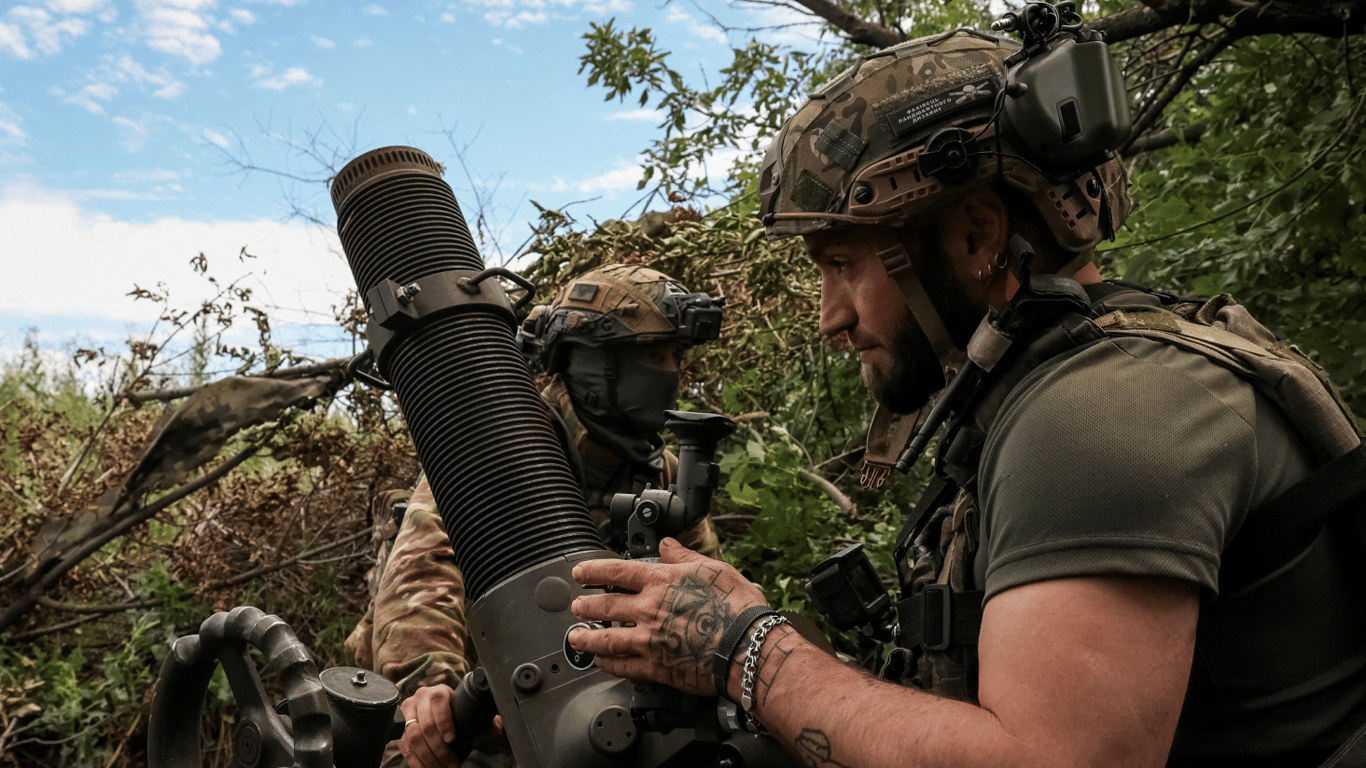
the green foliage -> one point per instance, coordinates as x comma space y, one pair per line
1270, 204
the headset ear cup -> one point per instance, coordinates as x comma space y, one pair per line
529, 335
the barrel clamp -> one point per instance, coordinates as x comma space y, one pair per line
399, 309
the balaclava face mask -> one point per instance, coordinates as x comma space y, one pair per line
620, 398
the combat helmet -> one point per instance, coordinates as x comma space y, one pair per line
921, 123
618, 304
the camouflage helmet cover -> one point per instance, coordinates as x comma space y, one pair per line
852, 153
614, 304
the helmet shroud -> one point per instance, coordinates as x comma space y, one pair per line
610, 305
871, 147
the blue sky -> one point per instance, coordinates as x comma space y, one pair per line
120, 123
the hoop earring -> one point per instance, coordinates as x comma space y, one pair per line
985, 274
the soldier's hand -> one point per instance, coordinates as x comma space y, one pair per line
430, 728
673, 621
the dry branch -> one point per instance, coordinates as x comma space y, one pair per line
298, 371
20, 606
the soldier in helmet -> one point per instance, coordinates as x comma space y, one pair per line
611, 342
1101, 573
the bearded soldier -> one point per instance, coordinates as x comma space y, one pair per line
1097, 577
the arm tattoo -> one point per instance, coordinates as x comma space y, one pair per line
813, 747
771, 659
695, 616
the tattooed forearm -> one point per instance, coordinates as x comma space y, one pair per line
695, 616
772, 657
813, 748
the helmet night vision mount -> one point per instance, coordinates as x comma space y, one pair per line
1063, 109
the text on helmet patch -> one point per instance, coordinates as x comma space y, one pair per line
906, 111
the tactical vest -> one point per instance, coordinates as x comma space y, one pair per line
940, 608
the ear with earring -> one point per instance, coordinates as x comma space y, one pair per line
987, 272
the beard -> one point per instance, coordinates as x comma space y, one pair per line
917, 374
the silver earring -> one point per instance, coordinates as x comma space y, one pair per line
985, 274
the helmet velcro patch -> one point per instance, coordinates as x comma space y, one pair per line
842, 146
811, 194
937, 98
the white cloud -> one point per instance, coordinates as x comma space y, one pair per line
292, 76
637, 115
243, 16
375, 10
179, 28
498, 41
170, 91
625, 177
258, 70
12, 41
47, 32
678, 17
124, 69
153, 176
115, 72
11, 133
216, 138
604, 9
322, 42
133, 135
296, 266
90, 96
363, 42
514, 20
75, 6
447, 18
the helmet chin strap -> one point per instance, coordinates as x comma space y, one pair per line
897, 261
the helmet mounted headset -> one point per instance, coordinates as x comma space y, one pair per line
922, 124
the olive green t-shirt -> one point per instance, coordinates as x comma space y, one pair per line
1136, 457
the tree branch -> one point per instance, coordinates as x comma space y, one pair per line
298, 371
846, 506
1266, 17
859, 31
1188, 72
16, 609
1164, 138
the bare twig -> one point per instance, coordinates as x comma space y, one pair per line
249, 575
1188, 72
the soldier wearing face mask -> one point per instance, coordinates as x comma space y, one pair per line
611, 344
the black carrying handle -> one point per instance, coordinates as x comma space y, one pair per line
261, 738
473, 709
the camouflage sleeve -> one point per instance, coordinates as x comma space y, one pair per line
419, 612
383, 531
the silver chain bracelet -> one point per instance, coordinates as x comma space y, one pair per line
752, 661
